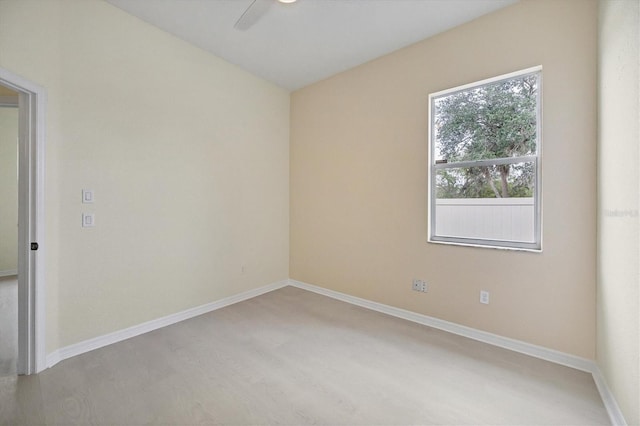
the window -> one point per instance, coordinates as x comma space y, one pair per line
484, 167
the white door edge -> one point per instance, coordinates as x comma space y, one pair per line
31, 263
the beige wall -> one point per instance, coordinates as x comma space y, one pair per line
8, 189
359, 176
5, 91
188, 157
618, 349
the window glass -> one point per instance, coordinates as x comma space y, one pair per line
485, 165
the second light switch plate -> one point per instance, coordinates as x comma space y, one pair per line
88, 220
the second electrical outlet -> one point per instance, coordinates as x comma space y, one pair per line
419, 285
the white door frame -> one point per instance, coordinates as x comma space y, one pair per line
31, 266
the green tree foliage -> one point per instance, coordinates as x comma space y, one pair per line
493, 121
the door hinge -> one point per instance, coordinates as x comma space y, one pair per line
34, 246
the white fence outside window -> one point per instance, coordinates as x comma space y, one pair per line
502, 219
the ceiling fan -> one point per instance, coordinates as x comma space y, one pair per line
254, 12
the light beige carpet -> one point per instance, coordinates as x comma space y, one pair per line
8, 325
294, 357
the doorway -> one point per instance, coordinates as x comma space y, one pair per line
8, 232
22, 275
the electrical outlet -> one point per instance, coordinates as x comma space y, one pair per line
484, 297
419, 285
416, 285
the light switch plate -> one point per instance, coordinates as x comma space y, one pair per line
87, 196
88, 220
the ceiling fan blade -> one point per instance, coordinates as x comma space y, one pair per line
254, 12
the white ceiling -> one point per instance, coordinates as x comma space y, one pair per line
297, 44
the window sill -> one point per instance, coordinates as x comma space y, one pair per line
463, 244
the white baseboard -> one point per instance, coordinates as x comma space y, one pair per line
118, 336
557, 357
609, 401
8, 273
461, 330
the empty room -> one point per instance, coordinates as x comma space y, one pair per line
338, 212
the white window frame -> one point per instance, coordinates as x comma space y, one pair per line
535, 246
